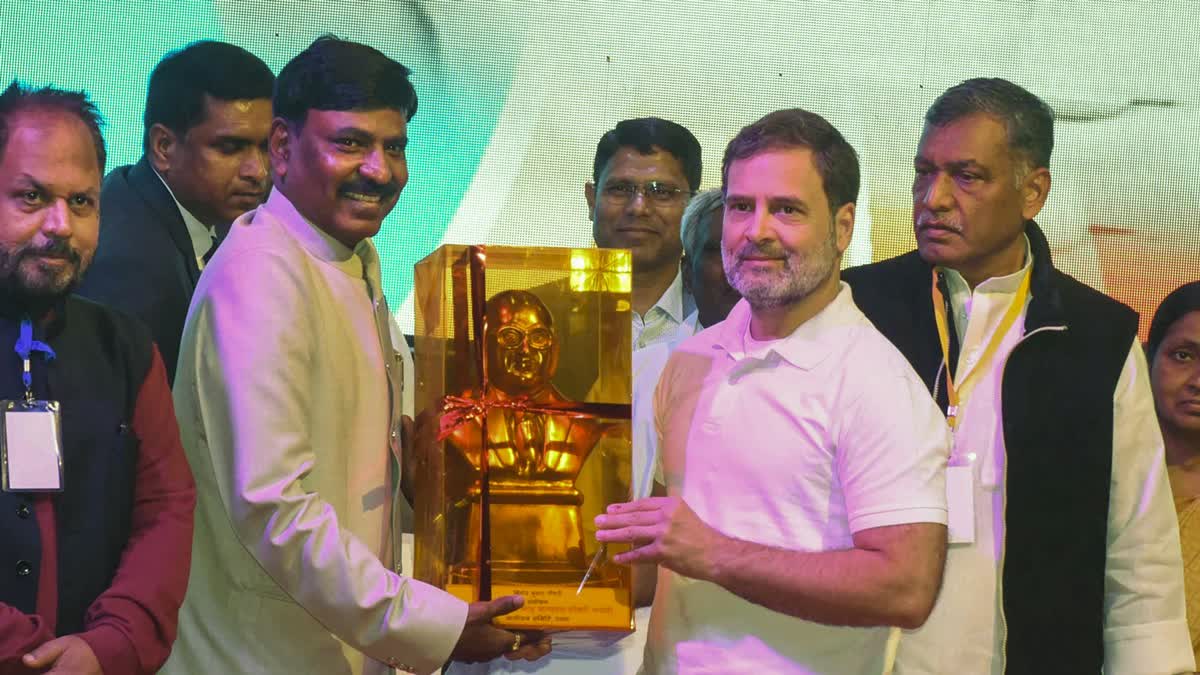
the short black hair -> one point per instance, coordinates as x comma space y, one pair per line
835, 158
18, 97
1181, 301
644, 135
181, 80
336, 74
1028, 120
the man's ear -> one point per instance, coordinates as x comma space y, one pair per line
279, 147
843, 224
589, 193
161, 145
1034, 191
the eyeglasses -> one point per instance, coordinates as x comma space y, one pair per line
511, 337
659, 193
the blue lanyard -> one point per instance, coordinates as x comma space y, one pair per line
25, 346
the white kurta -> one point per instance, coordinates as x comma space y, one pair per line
285, 409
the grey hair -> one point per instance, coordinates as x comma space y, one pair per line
693, 230
1028, 120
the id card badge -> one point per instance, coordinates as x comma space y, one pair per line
31, 446
960, 499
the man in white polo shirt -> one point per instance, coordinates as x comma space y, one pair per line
803, 459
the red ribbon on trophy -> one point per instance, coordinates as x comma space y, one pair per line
458, 410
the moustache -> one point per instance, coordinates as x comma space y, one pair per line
57, 248
926, 221
370, 188
750, 249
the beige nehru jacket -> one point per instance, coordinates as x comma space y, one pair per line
286, 412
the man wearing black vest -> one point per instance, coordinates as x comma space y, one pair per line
96, 515
1064, 553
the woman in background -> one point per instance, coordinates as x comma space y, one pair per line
1173, 351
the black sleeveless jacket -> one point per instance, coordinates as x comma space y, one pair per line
1057, 411
102, 359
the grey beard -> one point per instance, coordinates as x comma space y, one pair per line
803, 273
16, 287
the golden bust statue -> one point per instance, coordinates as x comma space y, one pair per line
533, 457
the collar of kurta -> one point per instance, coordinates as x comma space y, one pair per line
1045, 305
359, 262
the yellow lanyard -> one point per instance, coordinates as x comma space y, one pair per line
939, 314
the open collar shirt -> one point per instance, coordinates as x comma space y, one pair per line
666, 316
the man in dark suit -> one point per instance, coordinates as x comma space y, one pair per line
208, 113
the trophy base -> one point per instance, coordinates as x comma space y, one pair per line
558, 574
555, 608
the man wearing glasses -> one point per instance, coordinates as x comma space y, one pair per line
644, 172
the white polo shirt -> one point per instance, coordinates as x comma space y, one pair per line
796, 443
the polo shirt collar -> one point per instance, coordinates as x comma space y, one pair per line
806, 346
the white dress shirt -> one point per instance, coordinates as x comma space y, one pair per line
665, 316
288, 397
796, 443
203, 237
1145, 626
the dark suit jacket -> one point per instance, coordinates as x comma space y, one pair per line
144, 264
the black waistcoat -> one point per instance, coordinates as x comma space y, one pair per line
1057, 411
102, 359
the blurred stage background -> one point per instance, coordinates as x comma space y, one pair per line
514, 97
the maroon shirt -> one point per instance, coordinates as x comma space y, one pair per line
132, 625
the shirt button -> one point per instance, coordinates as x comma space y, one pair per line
23, 511
24, 568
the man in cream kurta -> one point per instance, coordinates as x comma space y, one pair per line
284, 405
289, 397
